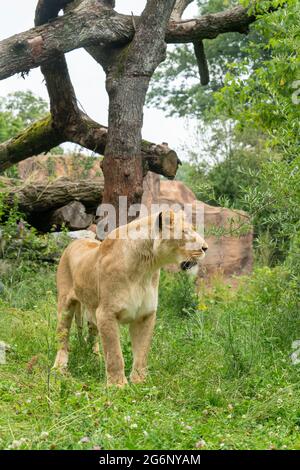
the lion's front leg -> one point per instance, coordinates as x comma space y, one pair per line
141, 332
110, 337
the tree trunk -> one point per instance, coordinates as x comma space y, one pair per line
128, 73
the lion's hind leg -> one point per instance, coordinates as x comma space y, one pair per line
67, 307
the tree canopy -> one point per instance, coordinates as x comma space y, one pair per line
18, 110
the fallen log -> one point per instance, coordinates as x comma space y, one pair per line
65, 200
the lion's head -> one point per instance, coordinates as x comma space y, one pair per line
178, 240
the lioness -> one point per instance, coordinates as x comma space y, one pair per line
116, 281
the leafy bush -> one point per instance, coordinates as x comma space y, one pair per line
252, 326
177, 293
20, 241
258, 322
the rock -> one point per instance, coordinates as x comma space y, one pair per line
78, 234
93, 228
227, 254
73, 216
82, 234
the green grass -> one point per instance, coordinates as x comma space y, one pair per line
220, 371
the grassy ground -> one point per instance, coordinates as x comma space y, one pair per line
221, 376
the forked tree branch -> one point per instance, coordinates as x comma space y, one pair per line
68, 123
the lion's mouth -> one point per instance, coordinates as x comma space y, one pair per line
189, 264
193, 258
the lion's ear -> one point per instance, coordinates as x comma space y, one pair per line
165, 219
160, 221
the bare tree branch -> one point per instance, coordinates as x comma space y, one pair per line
48, 10
92, 25
63, 103
109, 3
67, 122
202, 62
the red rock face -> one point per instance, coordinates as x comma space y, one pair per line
71, 166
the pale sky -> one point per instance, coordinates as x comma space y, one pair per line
87, 76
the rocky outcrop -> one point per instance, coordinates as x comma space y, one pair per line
227, 232
71, 166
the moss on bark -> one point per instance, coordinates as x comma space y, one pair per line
37, 138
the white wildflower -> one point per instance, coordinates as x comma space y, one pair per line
134, 426
200, 444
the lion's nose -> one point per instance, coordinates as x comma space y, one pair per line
205, 247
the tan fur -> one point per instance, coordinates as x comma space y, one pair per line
116, 281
